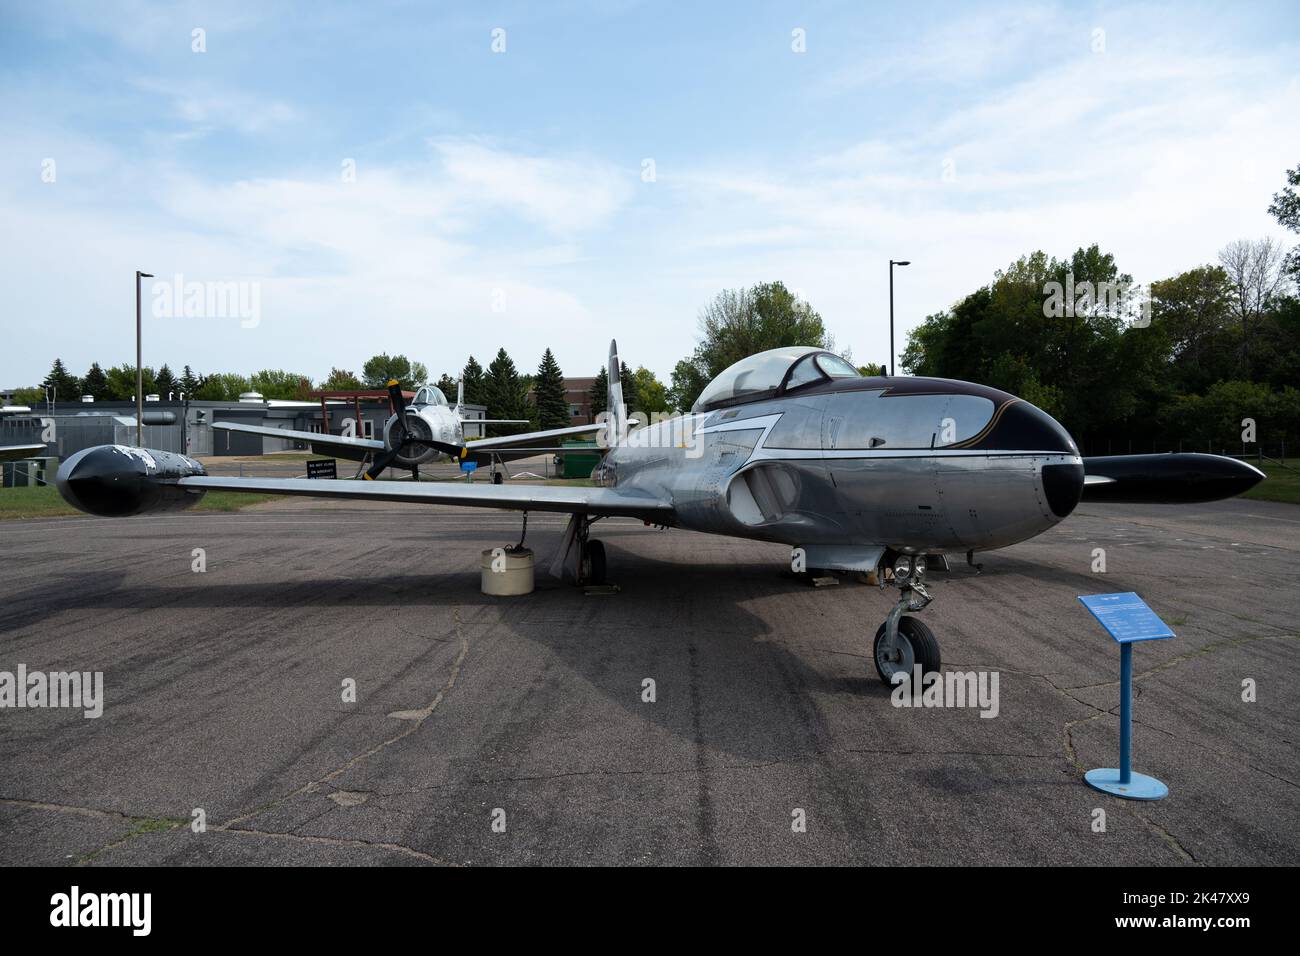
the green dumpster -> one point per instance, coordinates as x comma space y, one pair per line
580, 462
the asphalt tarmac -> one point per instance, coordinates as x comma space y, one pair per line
515, 730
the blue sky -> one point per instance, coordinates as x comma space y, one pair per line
500, 198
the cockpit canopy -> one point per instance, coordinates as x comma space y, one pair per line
429, 395
766, 374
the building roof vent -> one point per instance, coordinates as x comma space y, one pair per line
250, 396
87, 399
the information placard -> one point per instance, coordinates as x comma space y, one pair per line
1126, 617
322, 468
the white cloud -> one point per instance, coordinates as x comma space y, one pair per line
562, 194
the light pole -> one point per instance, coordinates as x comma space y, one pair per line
139, 367
892, 263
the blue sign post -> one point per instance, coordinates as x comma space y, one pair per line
1128, 620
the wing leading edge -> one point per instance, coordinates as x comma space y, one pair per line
19, 452
591, 501
353, 449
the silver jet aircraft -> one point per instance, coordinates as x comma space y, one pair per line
857, 474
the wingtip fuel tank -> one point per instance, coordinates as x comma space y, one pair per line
115, 481
1183, 478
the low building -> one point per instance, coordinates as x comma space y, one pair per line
186, 426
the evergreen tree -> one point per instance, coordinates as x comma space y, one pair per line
503, 394
64, 386
472, 373
447, 385
631, 392
95, 384
165, 381
548, 394
189, 382
599, 393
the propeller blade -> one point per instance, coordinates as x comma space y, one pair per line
400, 434
382, 460
397, 398
402, 437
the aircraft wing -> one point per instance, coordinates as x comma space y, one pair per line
524, 445
591, 501
532, 439
16, 452
353, 449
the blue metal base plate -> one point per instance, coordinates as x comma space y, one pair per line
1139, 786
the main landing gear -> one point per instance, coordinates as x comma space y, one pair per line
591, 554
903, 643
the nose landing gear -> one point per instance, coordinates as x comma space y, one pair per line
903, 643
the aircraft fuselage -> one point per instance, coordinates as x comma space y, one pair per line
913, 464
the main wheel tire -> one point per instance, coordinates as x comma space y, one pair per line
497, 478
594, 563
919, 647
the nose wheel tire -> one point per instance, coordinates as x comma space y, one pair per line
916, 645
593, 563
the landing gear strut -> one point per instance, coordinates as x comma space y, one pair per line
591, 554
903, 643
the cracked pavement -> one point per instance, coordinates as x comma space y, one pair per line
223, 692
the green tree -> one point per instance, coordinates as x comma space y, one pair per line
685, 385
1285, 208
279, 384
1047, 328
447, 385
189, 382
472, 374
222, 387
1193, 312
503, 393
631, 396
341, 380
548, 394
651, 393
64, 386
598, 394
740, 322
95, 383
121, 382
165, 382
380, 368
